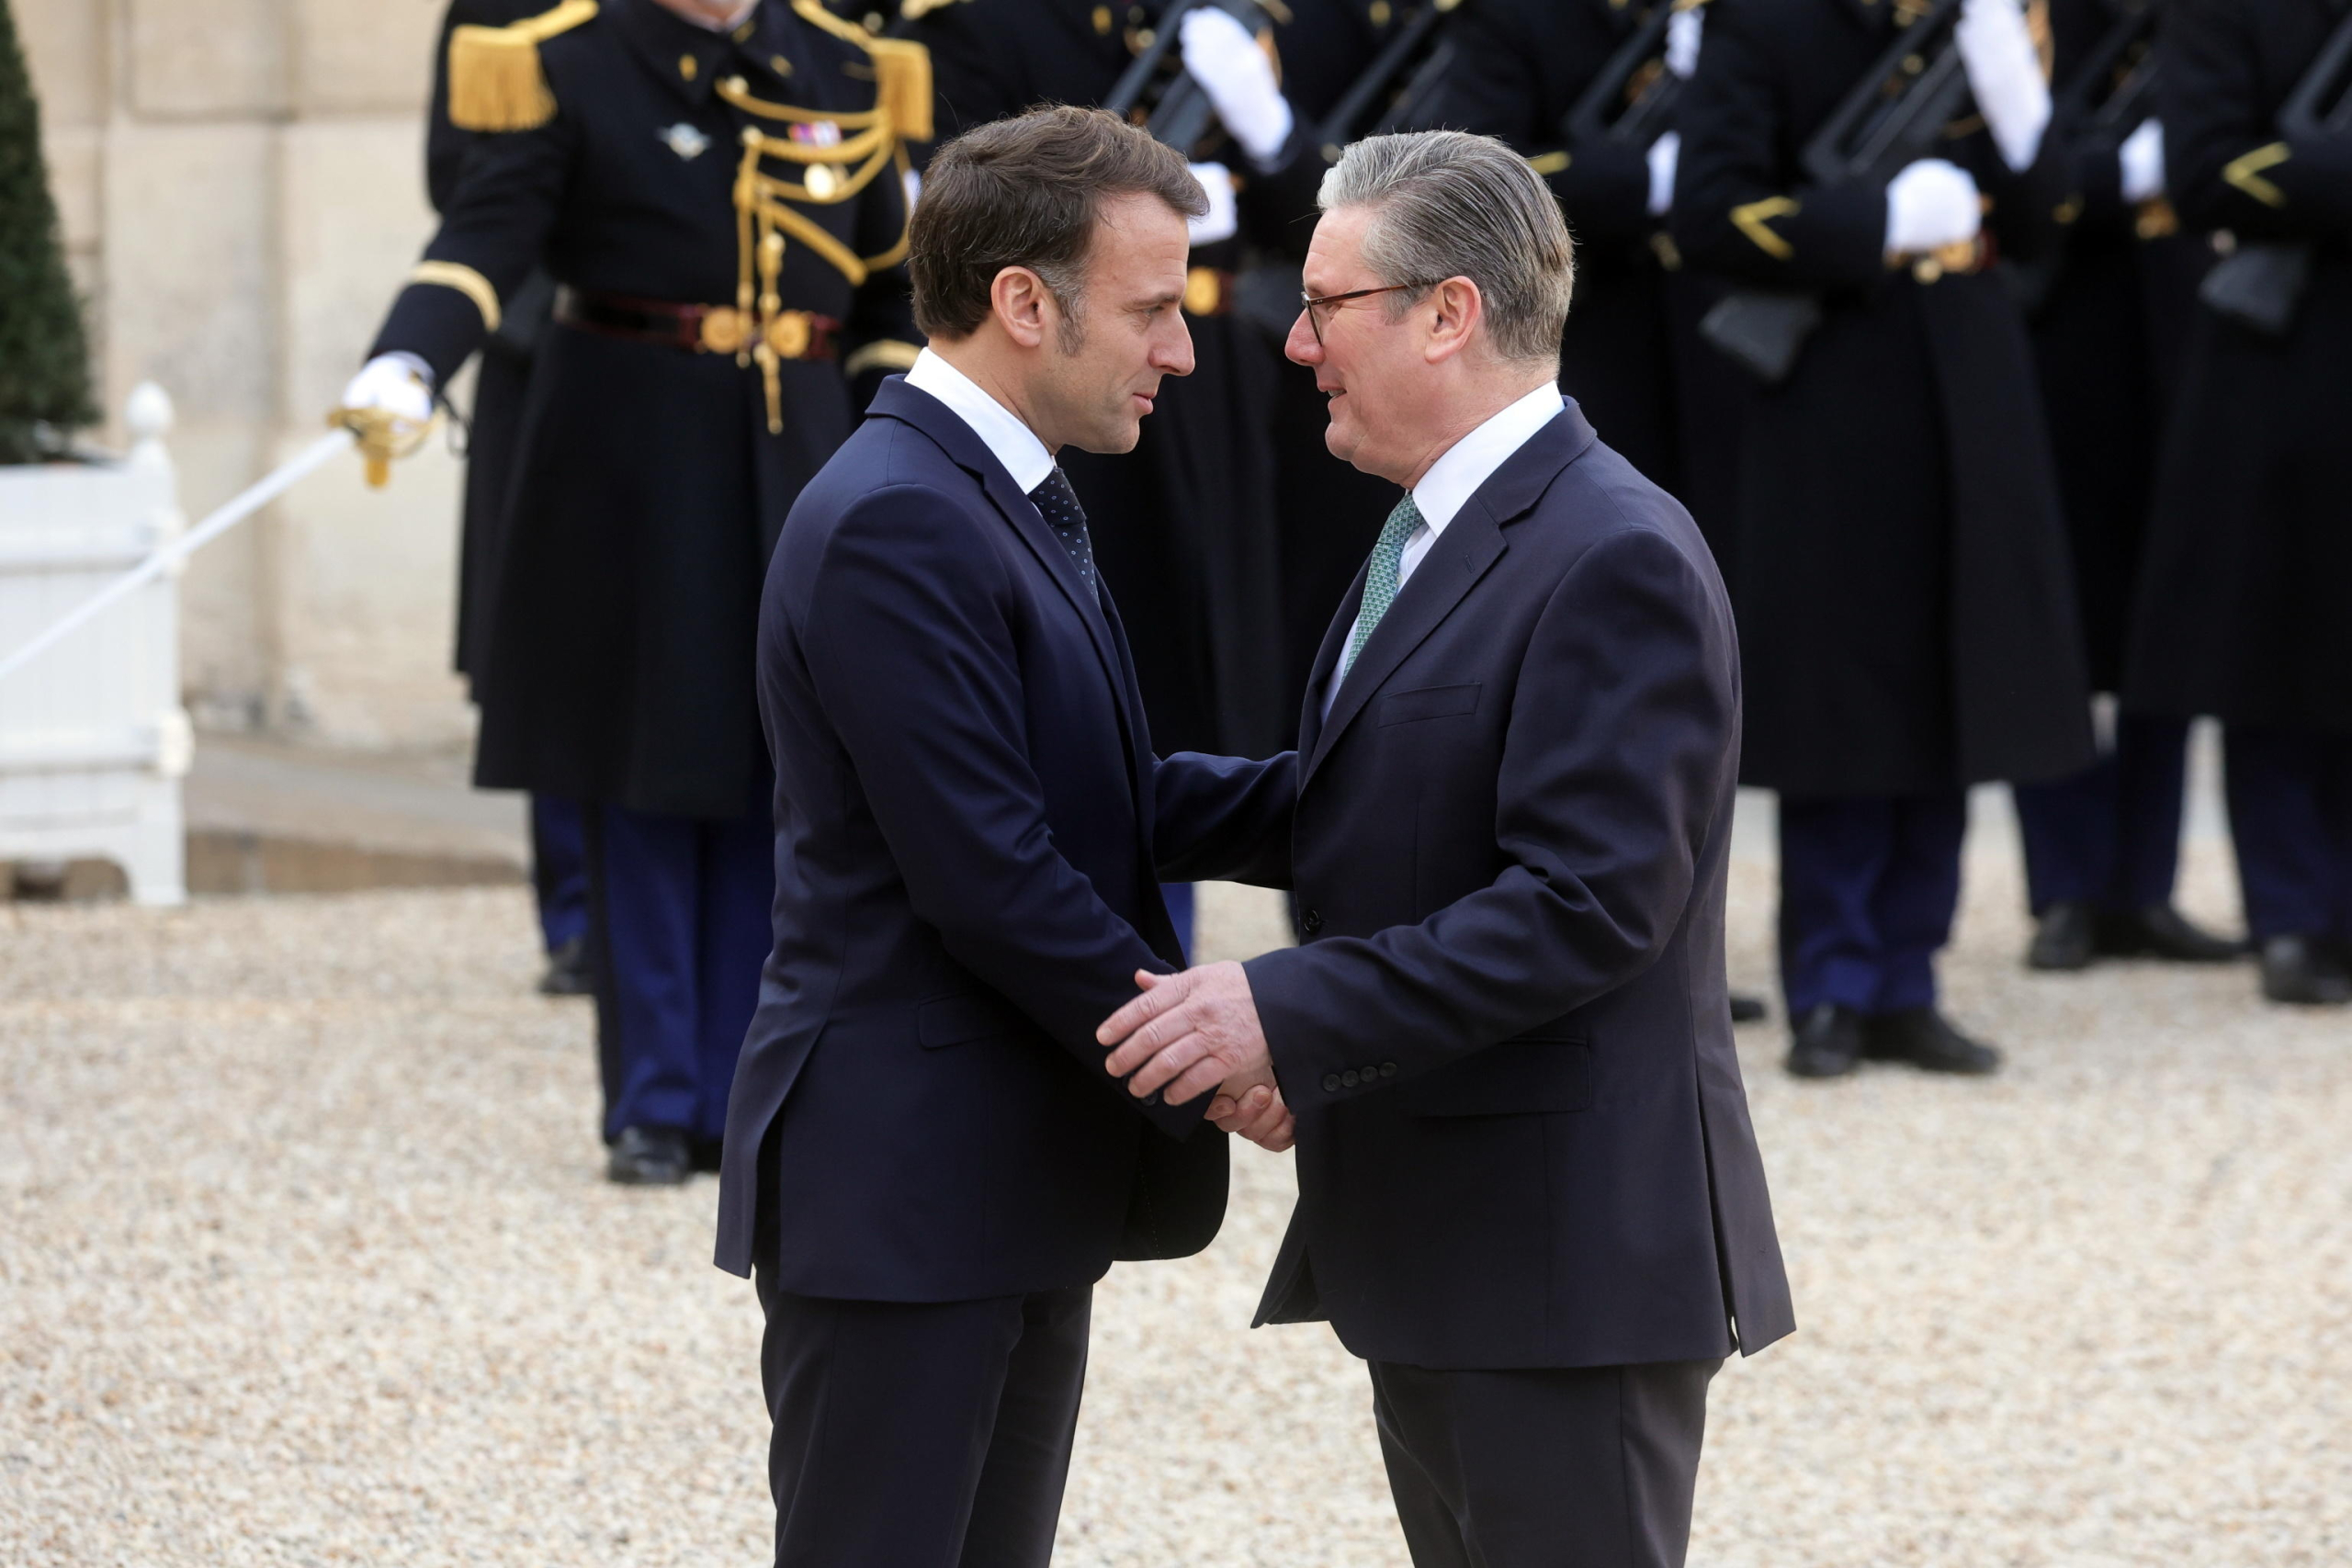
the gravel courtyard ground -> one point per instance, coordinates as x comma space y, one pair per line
305, 1259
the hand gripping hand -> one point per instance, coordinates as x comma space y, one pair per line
2004, 75
1929, 205
1194, 1031
1226, 61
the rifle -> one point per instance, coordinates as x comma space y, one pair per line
2260, 285
2110, 94
1154, 92
1892, 116
1397, 90
1632, 101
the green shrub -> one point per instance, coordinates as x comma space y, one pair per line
44, 357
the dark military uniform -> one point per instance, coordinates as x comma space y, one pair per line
2242, 612
559, 865
1906, 616
712, 291
2102, 846
1188, 540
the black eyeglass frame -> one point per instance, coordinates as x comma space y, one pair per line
1308, 302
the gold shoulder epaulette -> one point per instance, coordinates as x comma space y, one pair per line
902, 71
495, 79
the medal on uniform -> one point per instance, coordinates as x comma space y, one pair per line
684, 140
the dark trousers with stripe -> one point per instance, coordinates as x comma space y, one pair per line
681, 907
1868, 890
921, 1433
558, 869
2291, 816
1591, 1466
2109, 835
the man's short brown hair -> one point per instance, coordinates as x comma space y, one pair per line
1025, 192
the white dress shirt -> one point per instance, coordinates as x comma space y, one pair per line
1000, 429
1455, 477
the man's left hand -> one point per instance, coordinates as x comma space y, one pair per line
1187, 1033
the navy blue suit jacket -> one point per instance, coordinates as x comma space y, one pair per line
1523, 1140
971, 828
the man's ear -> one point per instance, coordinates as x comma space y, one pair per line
1019, 300
1457, 308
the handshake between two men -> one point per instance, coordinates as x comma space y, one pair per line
1196, 1032
1529, 1195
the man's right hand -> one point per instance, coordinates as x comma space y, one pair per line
395, 384
1253, 1109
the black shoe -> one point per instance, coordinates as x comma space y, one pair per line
2162, 931
1745, 1009
2302, 972
567, 973
649, 1157
1827, 1043
1925, 1039
2065, 938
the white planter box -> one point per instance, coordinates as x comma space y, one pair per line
93, 740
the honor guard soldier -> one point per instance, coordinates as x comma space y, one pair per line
1907, 617
559, 864
2243, 614
2102, 848
716, 190
1191, 551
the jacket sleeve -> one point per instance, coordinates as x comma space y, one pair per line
2227, 164
508, 193
1226, 817
910, 650
1739, 207
1624, 729
1503, 82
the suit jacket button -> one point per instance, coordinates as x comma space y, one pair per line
1387, 1070
1330, 1083
1351, 1078
1152, 1098
1310, 921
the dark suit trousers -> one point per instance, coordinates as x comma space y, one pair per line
921, 1433
1579, 1467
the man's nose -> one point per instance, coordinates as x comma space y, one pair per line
1172, 354
1302, 347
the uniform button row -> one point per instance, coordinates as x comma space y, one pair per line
1334, 1082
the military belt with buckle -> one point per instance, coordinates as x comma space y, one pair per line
1208, 291
703, 329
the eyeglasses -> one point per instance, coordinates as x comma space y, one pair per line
1321, 309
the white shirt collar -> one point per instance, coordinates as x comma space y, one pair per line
1015, 444
1470, 462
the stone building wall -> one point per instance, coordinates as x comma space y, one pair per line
242, 187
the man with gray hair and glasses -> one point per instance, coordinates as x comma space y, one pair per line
1529, 1192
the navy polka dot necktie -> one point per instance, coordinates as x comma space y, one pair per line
1057, 502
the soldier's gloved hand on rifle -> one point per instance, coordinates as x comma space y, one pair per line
1929, 205
1664, 153
2004, 75
2142, 158
396, 384
1226, 61
1683, 30
1223, 219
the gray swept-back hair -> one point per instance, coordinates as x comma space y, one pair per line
1447, 204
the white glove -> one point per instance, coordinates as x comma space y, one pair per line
397, 384
1226, 61
1929, 205
1222, 219
2142, 158
1683, 30
2005, 73
1664, 152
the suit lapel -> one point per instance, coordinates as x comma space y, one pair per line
1463, 552
1327, 660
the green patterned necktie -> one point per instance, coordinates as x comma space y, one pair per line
1380, 577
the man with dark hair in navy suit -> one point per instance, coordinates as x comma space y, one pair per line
925, 1164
